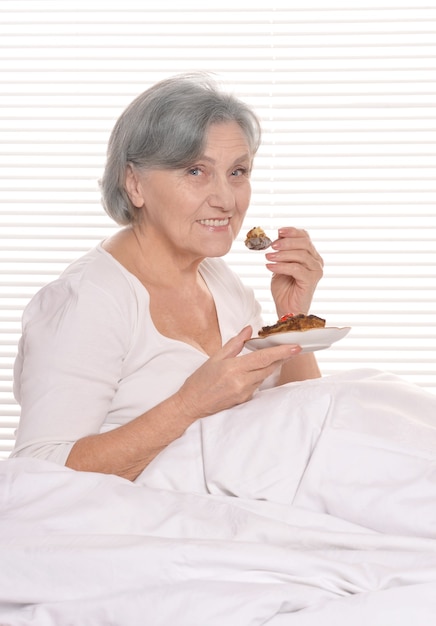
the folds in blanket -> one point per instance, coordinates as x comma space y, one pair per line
260, 450
375, 464
360, 447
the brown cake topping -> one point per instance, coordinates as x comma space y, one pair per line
256, 239
292, 322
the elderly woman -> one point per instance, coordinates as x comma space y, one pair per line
142, 337
145, 334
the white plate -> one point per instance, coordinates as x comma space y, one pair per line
310, 340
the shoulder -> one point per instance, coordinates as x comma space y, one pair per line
94, 283
97, 268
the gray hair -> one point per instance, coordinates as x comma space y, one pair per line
165, 127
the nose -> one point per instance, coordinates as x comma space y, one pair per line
222, 195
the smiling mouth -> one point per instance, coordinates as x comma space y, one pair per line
221, 222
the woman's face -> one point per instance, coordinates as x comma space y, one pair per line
197, 211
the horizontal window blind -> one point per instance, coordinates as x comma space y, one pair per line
347, 97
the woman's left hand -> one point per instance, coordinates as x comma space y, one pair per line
297, 268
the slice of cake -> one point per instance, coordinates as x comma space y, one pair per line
292, 322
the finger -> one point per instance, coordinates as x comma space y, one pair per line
295, 239
297, 257
234, 346
266, 367
297, 271
291, 233
267, 357
295, 244
295, 274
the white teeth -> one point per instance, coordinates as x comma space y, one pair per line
222, 222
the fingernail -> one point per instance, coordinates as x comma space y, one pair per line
296, 349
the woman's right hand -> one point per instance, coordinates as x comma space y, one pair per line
227, 379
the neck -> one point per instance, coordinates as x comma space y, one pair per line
155, 263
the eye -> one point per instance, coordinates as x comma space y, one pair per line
194, 171
240, 171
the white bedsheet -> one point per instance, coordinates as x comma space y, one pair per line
310, 505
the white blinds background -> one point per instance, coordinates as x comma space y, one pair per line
346, 93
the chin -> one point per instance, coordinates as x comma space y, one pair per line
218, 250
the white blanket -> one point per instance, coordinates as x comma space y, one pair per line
312, 504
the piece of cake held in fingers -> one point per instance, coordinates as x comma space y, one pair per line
256, 239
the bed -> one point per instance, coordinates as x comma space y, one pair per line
311, 521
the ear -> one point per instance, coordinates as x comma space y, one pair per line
133, 186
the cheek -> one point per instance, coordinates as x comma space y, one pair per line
244, 201
242, 208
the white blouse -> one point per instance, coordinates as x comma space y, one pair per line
90, 358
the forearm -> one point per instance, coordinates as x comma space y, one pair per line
127, 450
301, 367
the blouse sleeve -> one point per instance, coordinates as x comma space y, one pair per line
75, 333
